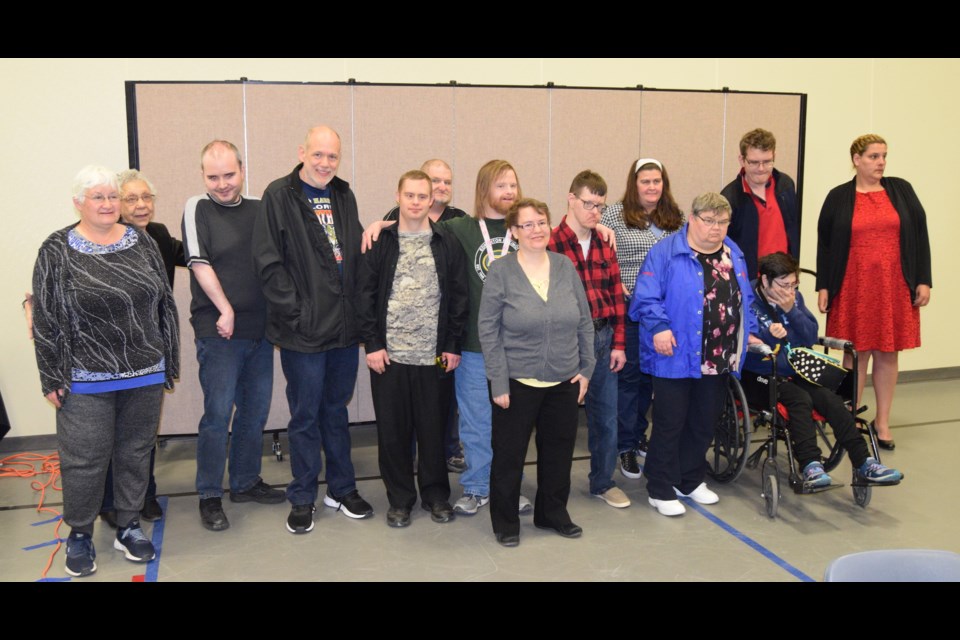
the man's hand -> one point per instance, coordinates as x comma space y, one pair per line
372, 232
607, 235
618, 358
785, 299
378, 361
502, 401
451, 360
225, 324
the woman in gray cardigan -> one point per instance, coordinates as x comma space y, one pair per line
537, 338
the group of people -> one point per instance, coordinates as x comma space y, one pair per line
498, 317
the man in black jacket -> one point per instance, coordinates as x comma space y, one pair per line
412, 310
765, 217
306, 249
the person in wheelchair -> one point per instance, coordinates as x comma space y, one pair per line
784, 319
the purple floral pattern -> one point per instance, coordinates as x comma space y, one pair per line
722, 302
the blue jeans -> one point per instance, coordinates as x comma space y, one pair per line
634, 394
473, 397
602, 416
319, 386
232, 373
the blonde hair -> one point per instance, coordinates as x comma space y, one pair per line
860, 144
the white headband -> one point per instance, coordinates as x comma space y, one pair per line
643, 161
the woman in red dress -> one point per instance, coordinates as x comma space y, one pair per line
873, 269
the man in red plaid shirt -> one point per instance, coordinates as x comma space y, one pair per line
596, 263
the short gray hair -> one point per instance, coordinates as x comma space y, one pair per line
132, 175
709, 202
92, 176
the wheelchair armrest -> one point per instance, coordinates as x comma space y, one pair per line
835, 343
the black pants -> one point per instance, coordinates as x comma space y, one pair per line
553, 410
406, 399
800, 398
685, 415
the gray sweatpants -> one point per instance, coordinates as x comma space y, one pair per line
92, 429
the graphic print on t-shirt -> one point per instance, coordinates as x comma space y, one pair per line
323, 209
481, 261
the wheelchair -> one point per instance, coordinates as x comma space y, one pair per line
729, 454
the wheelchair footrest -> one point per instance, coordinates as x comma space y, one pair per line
802, 489
868, 483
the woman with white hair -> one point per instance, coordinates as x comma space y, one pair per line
107, 343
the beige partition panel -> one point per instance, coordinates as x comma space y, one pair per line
402, 127
592, 129
511, 124
548, 134
685, 132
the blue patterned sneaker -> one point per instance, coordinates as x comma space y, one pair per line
80, 555
814, 476
873, 471
134, 544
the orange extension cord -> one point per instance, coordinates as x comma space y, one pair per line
34, 465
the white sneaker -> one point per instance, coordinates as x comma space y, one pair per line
524, 506
614, 497
700, 495
668, 507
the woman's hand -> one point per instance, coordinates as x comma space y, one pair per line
778, 331
584, 383
55, 398
823, 299
923, 296
502, 401
378, 360
783, 299
607, 235
28, 310
664, 342
372, 232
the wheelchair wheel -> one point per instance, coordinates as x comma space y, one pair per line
727, 456
771, 490
861, 494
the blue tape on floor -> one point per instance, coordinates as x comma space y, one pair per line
153, 567
54, 580
44, 544
753, 544
37, 524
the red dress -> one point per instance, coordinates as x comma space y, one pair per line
874, 307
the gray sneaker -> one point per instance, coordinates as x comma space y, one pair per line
524, 506
469, 504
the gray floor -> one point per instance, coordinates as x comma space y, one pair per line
731, 541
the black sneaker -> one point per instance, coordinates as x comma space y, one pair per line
352, 505
151, 510
642, 449
629, 466
81, 555
212, 515
260, 492
300, 519
134, 544
456, 464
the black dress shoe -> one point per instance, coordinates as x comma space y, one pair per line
508, 539
211, 514
568, 530
151, 510
439, 511
398, 517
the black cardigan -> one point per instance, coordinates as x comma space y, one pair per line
834, 231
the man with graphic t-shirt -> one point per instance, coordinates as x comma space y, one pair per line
306, 250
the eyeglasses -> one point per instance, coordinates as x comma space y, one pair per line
530, 226
590, 206
713, 222
759, 164
788, 285
99, 198
147, 198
